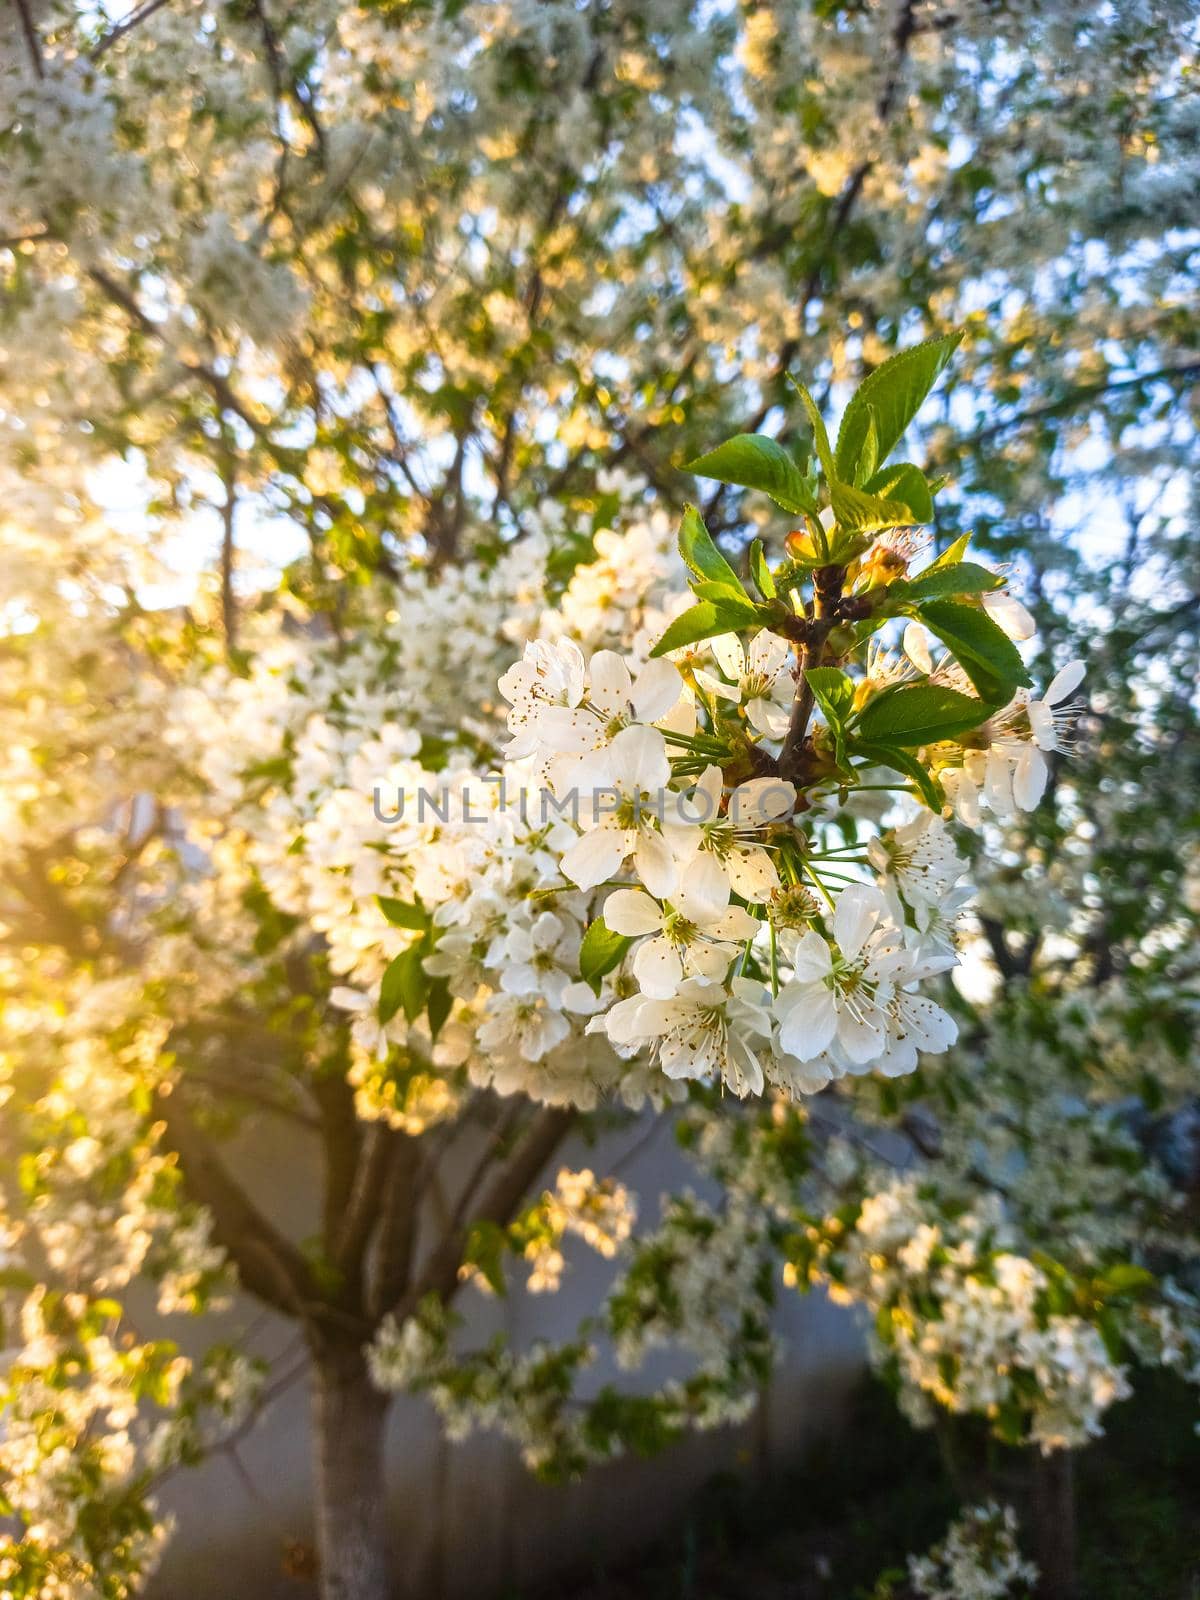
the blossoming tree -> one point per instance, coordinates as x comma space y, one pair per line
526, 789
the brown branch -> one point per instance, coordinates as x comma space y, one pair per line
510, 1186
341, 1138
33, 44
827, 585
122, 28
239, 1089
229, 616
1087, 391
268, 1265
220, 387
398, 1226
362, 1206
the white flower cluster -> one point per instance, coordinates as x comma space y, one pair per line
597, 905
600, 1211
74, 1431
842, 996
699, 1283
977, 1559
967, 1323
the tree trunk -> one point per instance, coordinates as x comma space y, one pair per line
1054, 1525
353, 1549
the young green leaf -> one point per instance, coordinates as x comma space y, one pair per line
764, 580
868, 458
965, 578
404, 985
885, 755
833, 691
439, 1006
816, 422
904, 483
892, 395
401, 914
950, 556
484, 1250
858, 512
984, 651
919, 713
752, 461
705, 621
600, 952
701, 554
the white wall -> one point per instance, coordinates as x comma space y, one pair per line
469, 1520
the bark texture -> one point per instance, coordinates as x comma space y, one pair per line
350, 1414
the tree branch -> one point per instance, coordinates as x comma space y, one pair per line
268, 1265
510, 1186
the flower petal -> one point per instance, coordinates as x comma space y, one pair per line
654, 862
596, 856
858, 909
811, 958
1029, 779
611, 687
916, 647
731, 658
638, 761
1064, 683
632, 912
810, 1021
657, 689
760, 801
658, 969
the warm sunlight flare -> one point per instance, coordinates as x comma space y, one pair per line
599, 781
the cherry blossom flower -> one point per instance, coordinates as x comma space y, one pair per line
722, 844
614, 701
841, 993
704, 1030
692, 935
750, 678
634, 771
548, 674
523, 1025
920, 857
542, 958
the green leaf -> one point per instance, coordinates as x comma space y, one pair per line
816, 422
404, 985
705, 621
869, 457
484, 1249
950, 556
600, 952
919, 713
1123, 1278
886, 755
701, 554
891, 398
967, 577
905, 483
439, 1006
764, 579
985, 652
731, 599
859, 512
401, 914
833, 691
752, 461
